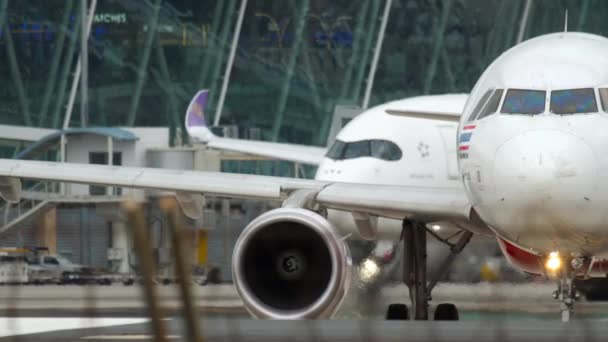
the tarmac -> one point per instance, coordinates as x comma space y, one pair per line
506, 312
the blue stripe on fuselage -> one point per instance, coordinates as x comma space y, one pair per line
465, 137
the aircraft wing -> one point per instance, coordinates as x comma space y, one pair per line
196, 125
381, 200
291, 152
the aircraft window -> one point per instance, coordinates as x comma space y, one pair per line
357, 149
336, 151
573, 101
492, 105
604, 98
520, 101
381, 149
386, 150
480, 104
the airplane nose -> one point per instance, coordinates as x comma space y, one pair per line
545, 167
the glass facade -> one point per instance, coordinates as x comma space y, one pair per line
296, 59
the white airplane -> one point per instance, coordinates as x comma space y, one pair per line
380, 146
530, 160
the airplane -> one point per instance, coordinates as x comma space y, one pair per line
530, 161
371, 149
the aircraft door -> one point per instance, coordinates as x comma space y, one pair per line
448, 136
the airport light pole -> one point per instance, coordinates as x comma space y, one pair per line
377, 51
235, 44
84, 60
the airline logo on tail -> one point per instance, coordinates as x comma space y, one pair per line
196, 125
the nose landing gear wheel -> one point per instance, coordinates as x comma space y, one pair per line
446, 312
397, 312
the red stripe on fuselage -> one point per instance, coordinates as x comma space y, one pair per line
469, 127
520, 258
463, 148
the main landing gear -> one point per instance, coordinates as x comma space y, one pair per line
415, 273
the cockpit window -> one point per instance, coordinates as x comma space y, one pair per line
573, 101
521, 101
604, 98
385, 150
492, 106
480, 104
381, 149
357, 149
336, 151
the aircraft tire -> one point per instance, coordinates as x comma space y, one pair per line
446, 312
397, 312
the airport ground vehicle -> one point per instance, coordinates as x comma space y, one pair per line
45, 268
13, 266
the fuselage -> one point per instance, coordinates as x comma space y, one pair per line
382, 148
532, 145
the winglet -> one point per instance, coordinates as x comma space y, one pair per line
196, 125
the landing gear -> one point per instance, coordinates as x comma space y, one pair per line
565, 294
446, 312
415, 272
397, 312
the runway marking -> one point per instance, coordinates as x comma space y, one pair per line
30, 325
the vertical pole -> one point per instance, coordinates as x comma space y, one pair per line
52, 78
221, 51
70, 106
356, 48
143, 63
235, 43
167, 84
291, 64
182, 268
582, 18
84, 61
3, 6
16, 76
366, 48
65, 73
110, 141
377, 51
421, 296
211, 47
439, 33
515, 10
143, 248
523, 24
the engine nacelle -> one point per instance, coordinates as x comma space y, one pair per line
290, 263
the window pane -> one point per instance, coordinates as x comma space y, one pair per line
519, 101
573, 101
336, 151
385, 150
492, 105
357, 149
50, 261
480, 105
604, 98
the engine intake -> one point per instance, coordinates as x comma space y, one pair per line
290, 263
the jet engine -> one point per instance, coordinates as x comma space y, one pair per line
290, 263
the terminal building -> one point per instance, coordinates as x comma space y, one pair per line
108, 82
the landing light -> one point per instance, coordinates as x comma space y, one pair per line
436, 227
553, 262
368, 270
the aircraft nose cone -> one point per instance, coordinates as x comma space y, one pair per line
545, 188
544, 167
